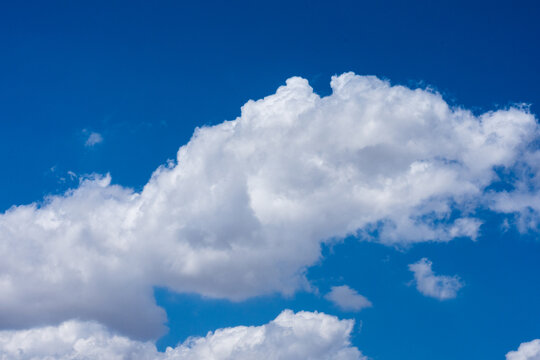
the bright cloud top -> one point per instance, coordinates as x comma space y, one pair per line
347, 299
526, 351
437, 286
290, 336
244, 209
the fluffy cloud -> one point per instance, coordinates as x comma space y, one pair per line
437, 286
246, 205
526, 351
304, 335
347, 299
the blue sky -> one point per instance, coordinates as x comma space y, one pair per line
118, 87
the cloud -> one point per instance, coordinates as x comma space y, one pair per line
245, 207
437, 286
347, 299
93, 139
526, 351
304, 335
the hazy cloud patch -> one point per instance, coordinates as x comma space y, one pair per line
93, 138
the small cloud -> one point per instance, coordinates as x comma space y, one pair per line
93, 139
526, 351
347, 299
437, 286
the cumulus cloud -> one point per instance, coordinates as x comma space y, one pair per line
526, 351
437, 286
347, 299
304, 335
245, 207
93, 139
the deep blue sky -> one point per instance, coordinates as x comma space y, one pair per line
145, 74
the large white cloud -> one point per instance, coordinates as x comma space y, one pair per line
304, 335
526, 351
245, 207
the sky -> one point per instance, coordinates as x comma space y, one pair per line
274, 180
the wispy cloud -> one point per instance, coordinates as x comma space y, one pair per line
93, 139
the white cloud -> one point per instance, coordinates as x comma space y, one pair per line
526, 351
347, 299
244, 209
94, 138
437, 286
304, 335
